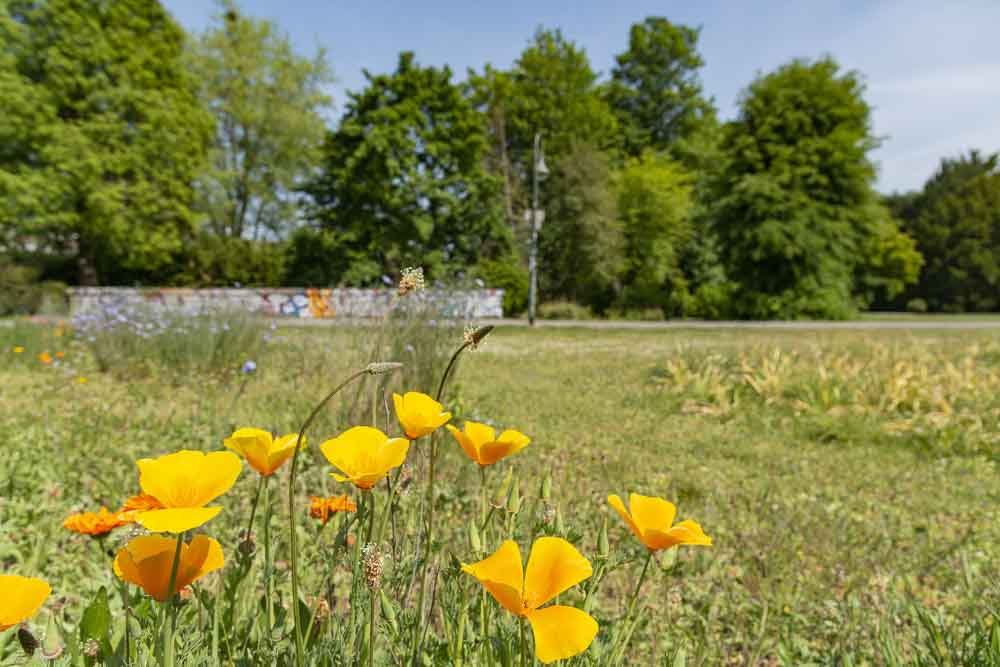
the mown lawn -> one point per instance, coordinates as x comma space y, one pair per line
849, 480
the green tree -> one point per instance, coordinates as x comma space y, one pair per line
956, 223
654, 206
655, 89
797, 213
402, 179
268, 103
581, 241
102, 133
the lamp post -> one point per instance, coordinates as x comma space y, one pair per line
538, 171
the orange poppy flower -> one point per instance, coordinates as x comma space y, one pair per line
141, 503
147, 561
554, 566
45, 358
651, 519
322, 508
22, 596
96, 524
364, 455
261, 450
60, 355
481, 444
419, 414
184, 483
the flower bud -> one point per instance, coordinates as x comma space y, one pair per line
388, 611
372, 562
514, 502
382, 367
603, 547
474, 541
560, 528
547, 486
500, 497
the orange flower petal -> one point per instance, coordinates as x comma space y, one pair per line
553, 566
510, 442
22, 597
502, 575
686, 532
561, 632
147, 561
463, 440
619, 507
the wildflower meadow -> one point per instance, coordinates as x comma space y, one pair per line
216, 490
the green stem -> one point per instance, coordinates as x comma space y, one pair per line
372, 590
300, 651
170, 625
520, 630
268, 558
631, 606
253, 513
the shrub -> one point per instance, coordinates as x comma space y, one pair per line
511, 277
222, 261
917, 305
564, 310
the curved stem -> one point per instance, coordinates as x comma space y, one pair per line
447, 370
170, 624
300, 657
253, 511
631, 607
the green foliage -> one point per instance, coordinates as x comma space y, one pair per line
581, 241
955, 221
268, 104
509, 275
314, 258
796, 210
564, 310
402, 181
214, 261
654, 205
102, 134
655, 89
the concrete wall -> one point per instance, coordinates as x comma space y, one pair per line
287, 302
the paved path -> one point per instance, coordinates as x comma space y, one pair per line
930, 323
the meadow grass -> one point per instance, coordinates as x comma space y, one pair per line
849, 482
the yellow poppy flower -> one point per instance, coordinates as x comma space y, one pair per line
481, 444
22, 596
18, 349
96, 524
419, 414
183, 483
261, 450
554, 566
651, 519
147, 561
364, 455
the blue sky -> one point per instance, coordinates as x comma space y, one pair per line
932, 66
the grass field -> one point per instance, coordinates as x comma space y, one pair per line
849, 480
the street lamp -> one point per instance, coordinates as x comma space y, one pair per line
538, 171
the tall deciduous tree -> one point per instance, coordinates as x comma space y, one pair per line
956, 223
102, 133
655, 89
797, 214
402, 178
268, 104
654, 205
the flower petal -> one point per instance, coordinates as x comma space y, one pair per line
466, 443
510, 442
686, 532
502, 575
561, 632
392, 454
22, 597
553, 566
619, 507
176, 520
201, 556
188, 478
146, 561
651, 513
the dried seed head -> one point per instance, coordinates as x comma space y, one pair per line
382, 367
548, 514
247, 547
411, 281
473, 336
91, 648
371, 559
322, 610
27, 640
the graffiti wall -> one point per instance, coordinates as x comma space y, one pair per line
290, 301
